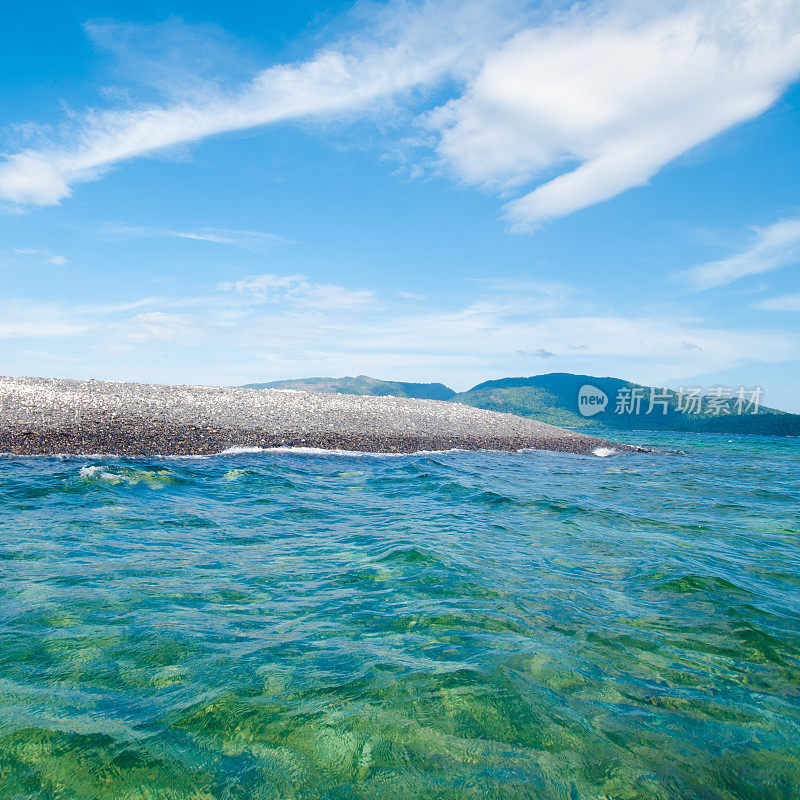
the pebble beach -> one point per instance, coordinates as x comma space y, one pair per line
45, 416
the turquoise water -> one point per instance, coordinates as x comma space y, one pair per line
460, 625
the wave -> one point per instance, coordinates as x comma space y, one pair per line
324, 451
236, 451
604, 452
601, 452
157, 479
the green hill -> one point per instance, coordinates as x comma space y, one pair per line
554, 398
362, 385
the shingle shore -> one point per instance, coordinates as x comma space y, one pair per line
40, 416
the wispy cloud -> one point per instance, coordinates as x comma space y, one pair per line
574, 339
175, 59
274, 325
602, 94
47, 256
149, 327
405, 47
775, 247
116, 308
786, 302
29, 320
297, 290
243, 239
524, 295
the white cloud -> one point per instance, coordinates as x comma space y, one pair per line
613, 91
500, 332
602, 93
29, 177
274, 325
786, 302
297, 290
775, 247
573, 339
406, 47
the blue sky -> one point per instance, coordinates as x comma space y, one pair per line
456, 191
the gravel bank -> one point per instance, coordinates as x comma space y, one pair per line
46, 416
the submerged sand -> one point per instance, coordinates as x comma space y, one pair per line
48, 416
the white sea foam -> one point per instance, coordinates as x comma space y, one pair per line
237, 451
327, 451
97, 472
309, 451
604, 452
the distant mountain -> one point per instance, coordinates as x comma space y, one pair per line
364, 385
556, 398
623, 405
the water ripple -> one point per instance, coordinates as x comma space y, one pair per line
457, 625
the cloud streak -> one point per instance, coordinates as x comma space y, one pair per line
243, 239
775, 247
786, 302
398, 54
46, 255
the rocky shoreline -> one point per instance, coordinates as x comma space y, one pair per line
40, 416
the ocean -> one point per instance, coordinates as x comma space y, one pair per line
438, 625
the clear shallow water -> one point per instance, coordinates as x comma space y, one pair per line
462, 625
